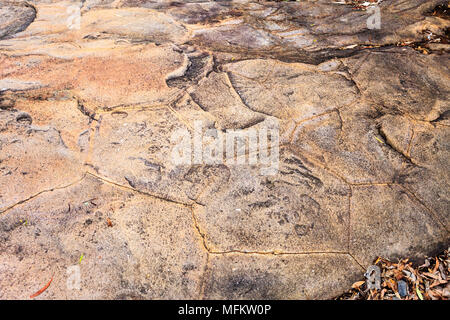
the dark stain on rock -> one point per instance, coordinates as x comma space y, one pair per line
303, 229
24, 118
309, 206
246, 285
193, 74
131, 182
261, 204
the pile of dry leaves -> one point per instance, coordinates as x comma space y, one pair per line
401, 281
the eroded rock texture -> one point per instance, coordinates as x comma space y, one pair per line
88, 109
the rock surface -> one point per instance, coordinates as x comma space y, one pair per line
88, 113
15, 17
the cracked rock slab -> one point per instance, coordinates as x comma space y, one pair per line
149, 251
402, 81
380, 229
312, 31
216, 96
289, 91
429, 147
302, 208
64, 115
92, 119
261, 277
135, 23
135, 148
127, 75
350, 144
32, 159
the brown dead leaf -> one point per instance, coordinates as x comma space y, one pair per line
436, 266
432, 276
438, 283
358, 284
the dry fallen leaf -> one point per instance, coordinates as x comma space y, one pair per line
41, 290
357, 284
430, 275
436, 266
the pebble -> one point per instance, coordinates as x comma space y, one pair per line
402, 288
